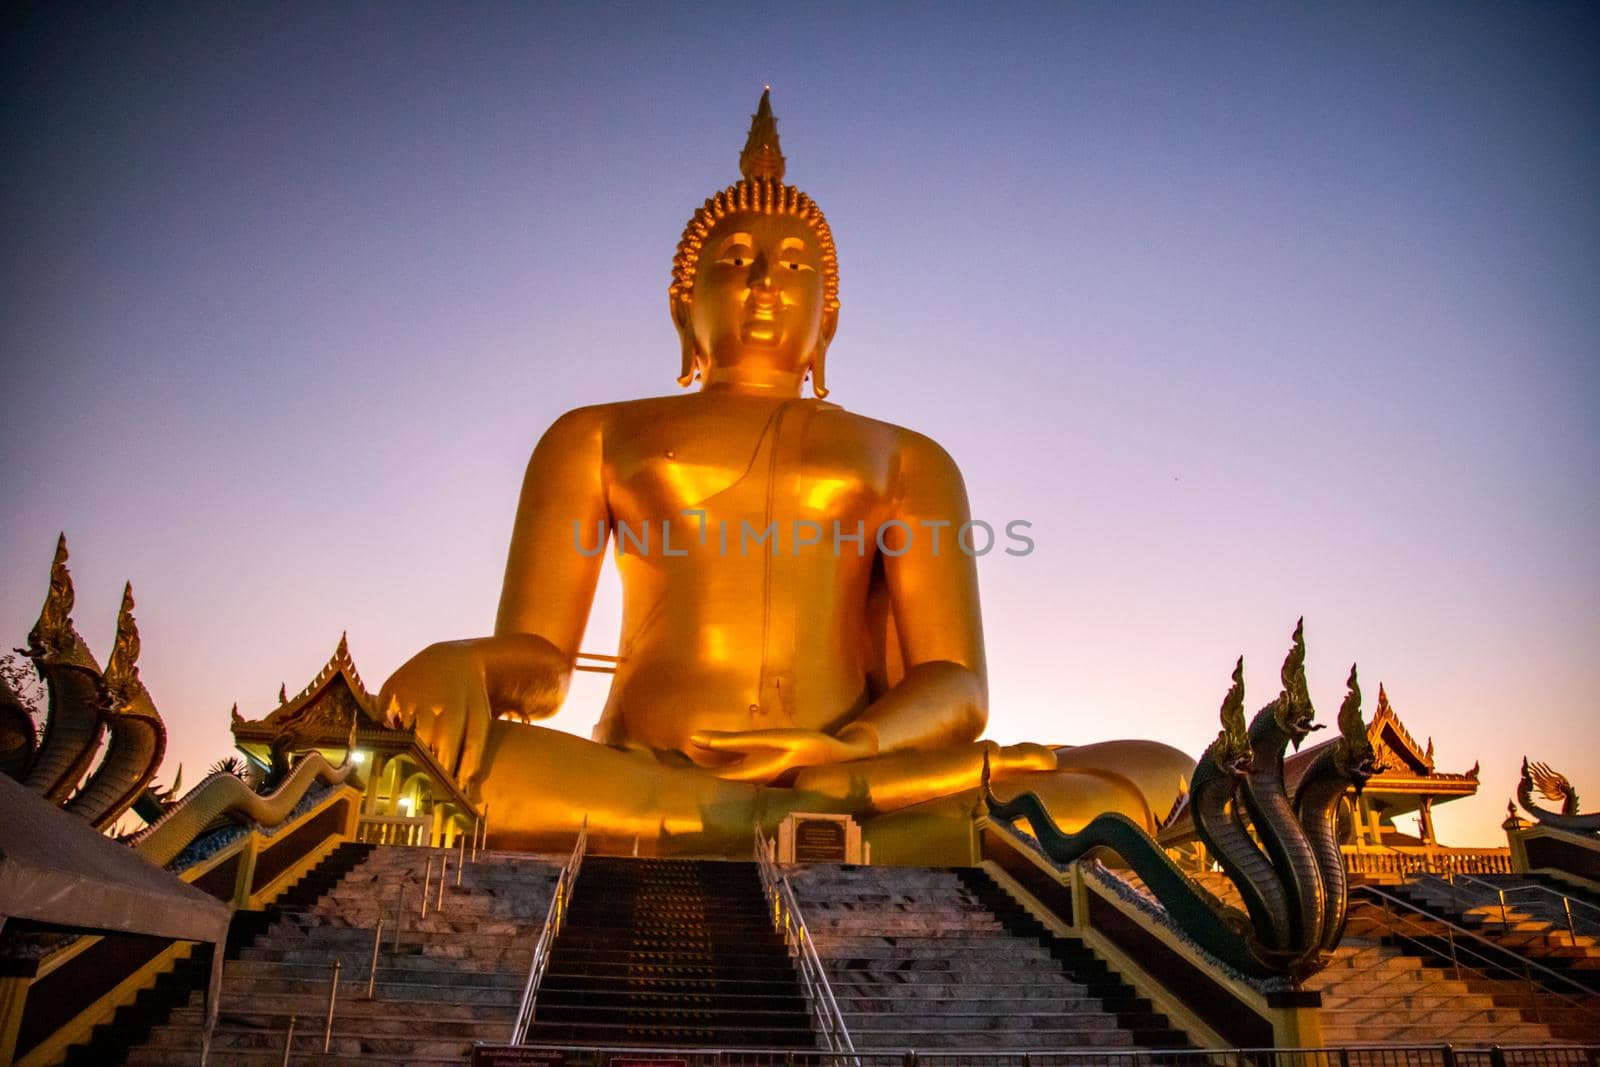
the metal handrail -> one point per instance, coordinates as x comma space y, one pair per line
1487, 963
1501, 892
787, 920
553, 921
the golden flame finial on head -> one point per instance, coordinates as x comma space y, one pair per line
1231, 750
762, 158
55, 619
122, 669
761, 191
1293, 674
1293, 709
1353, 751
1351, 728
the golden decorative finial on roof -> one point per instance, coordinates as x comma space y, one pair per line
283, 693
1383, 702
55, 618
762, 157
122, 669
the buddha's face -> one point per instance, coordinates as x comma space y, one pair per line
758, 303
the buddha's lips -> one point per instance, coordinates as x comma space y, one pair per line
766, 310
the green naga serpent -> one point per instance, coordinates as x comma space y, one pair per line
1292, 882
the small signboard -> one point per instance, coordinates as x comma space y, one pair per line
819, 837
819, 841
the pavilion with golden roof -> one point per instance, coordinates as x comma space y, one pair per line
408, 797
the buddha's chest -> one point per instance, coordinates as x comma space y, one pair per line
789, 463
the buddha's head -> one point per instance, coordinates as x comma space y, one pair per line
755, 282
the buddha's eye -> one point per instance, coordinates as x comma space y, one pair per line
737, 252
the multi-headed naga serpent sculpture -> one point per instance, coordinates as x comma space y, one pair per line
1293, 881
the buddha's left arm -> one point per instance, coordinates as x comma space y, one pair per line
943, 699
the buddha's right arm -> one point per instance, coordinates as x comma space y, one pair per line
550, 580
453, 690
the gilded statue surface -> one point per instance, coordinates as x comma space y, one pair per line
800, 629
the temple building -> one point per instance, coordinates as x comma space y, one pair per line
408, 798
1406, 782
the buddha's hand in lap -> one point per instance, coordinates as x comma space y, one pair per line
451, 691
763, 755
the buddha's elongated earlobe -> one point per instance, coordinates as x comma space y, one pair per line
692, 360
819, 357
819, 360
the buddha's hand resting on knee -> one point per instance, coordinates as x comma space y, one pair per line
766, 754
451, 691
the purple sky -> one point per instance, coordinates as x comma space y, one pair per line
1252, 311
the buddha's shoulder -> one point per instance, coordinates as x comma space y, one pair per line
625, 418
900, 437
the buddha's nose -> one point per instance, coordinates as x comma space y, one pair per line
761, 272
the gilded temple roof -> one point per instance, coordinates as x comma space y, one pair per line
1404, 768
322, 712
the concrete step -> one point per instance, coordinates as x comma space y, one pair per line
413, 970
440, 1002
978, 1004
411, 1022
989, 1040
228, 1041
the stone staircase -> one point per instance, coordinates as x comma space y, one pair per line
1385, 984
456, 977
1375, 990
1533, 923
670, 953
936, 958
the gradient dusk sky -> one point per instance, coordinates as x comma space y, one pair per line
1253, 311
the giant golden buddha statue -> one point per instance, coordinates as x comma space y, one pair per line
800, 627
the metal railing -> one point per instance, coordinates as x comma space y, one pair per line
1480, 958
1440, 1055
1499, 895
553, 921
787, 920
